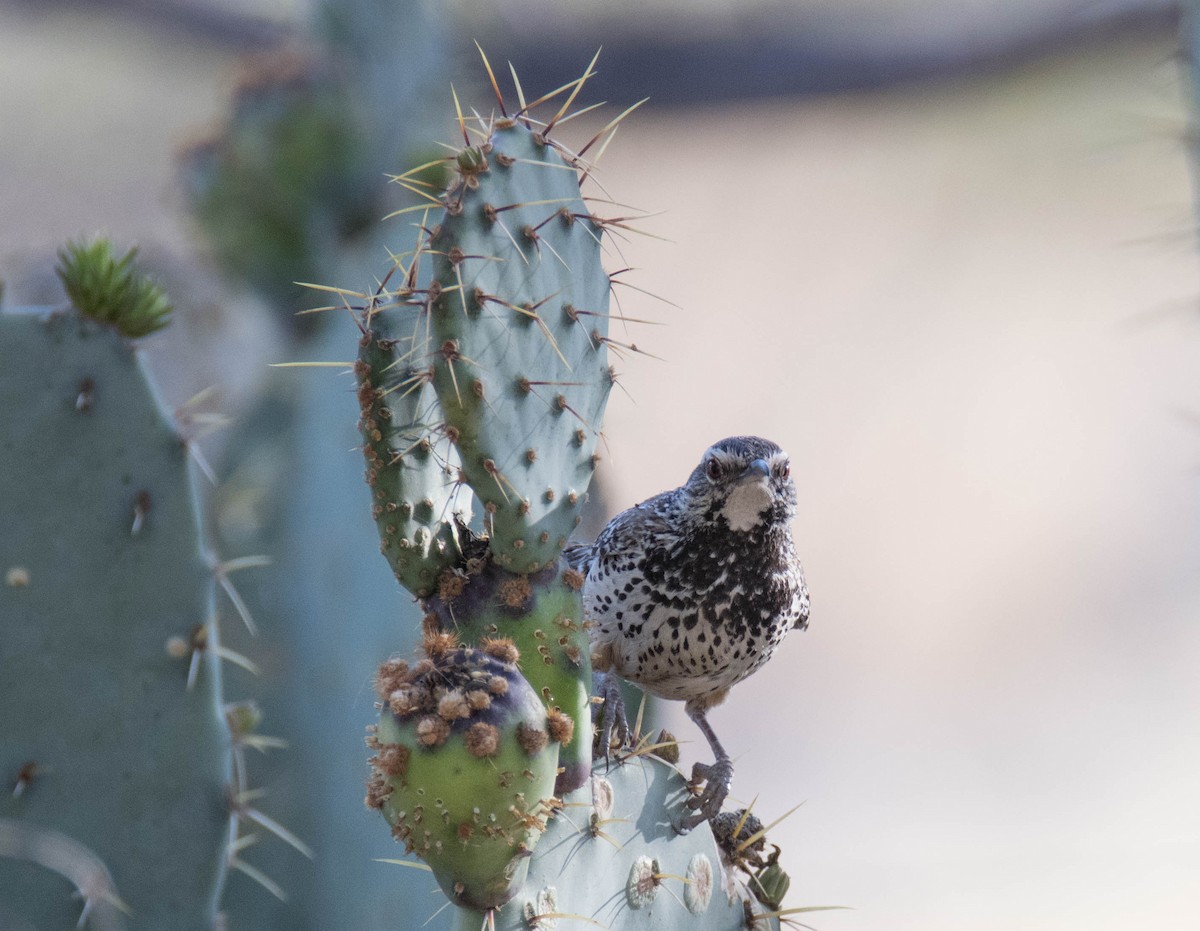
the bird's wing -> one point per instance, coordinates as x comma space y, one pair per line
578, 555
802, 601
636, 529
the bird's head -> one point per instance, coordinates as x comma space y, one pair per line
744, 481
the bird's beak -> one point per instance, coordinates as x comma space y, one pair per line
756, 470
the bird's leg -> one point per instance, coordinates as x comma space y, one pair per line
610, 712
717, 776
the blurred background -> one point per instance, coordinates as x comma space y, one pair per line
942, 251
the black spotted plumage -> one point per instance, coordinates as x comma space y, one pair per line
691, 591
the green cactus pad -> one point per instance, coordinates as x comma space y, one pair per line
519, 318
412, 470
464, 770
107, 593
542, 614
611, 858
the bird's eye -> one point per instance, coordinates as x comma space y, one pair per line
713, 470
785, 470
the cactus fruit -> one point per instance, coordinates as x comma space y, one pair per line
464, 766
542, 616
108, 606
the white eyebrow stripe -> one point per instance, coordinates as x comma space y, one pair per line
778, 458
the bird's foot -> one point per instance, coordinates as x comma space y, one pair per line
609, 714
717, 779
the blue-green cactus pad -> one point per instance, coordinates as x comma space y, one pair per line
518, 320
101, 571
417, 502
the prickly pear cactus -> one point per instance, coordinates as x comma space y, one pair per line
611, 858
114, 748
483, 376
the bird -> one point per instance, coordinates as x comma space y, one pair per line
691, 591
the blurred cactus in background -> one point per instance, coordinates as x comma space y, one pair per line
123, 763
291, 185
290, 189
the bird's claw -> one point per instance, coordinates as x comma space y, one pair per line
717, 779
610, 713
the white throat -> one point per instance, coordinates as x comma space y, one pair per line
746, 504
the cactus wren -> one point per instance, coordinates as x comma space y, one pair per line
691, 591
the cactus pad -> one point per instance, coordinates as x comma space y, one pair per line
611, 858
519, 313
108, 602
412, 471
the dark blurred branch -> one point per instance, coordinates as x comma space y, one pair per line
787, 55
766, 54
202, 21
